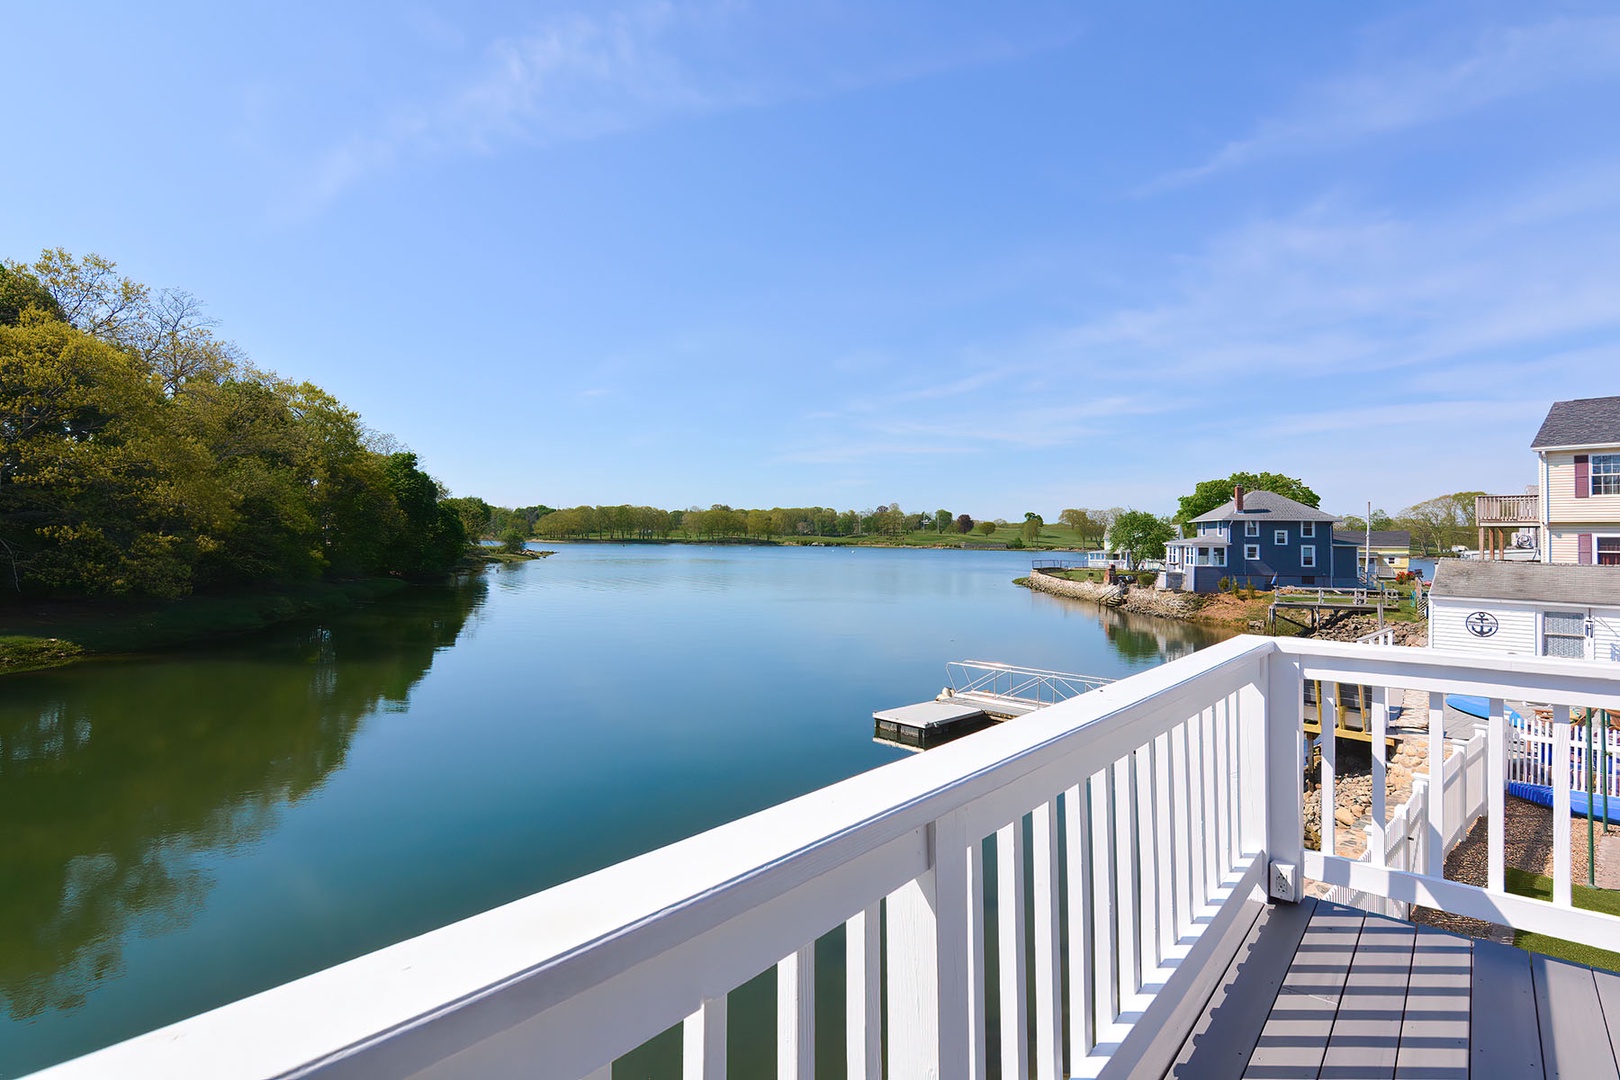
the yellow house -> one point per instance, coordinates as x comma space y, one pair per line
1578, 448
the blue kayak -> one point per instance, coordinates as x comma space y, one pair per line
1542, 795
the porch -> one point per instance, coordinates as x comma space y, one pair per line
1093, 889
1501, 518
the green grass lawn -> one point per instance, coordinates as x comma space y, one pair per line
1522, 883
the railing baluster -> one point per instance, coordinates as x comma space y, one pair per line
1164, 849
1230, 778
863, 1012
1329, 737
1104, 948
1186, 872
604, 1073
1048, 970
1495, 792
1560, 785
1378, 849
1077, 862
1125, 908
703, 1038
1010, 948
796, 1015
977, 1025
913, 984
1206, 809
1147, 877
1436, 863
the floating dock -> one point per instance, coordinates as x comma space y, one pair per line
980, 693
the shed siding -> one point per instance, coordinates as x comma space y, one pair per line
1515, 636
1606, 634
1562, 505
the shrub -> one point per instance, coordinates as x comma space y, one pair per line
1146, 577
1016, 542
512, 541
1227, 585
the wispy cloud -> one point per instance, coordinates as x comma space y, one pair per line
607, 69
1393, 94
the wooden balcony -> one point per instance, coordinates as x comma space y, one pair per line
1498, 510
1122, 861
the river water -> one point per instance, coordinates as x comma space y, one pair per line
181, 830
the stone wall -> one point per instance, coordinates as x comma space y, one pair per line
1143, 601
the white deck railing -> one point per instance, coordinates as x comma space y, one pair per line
1145, 813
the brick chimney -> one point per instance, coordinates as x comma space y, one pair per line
1237, 498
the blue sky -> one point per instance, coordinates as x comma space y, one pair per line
991, 258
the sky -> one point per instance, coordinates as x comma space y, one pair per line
985, 258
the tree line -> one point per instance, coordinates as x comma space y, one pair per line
141, 454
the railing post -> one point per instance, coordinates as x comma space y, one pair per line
928, 968
1285, 768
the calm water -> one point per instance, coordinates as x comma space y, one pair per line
182, 830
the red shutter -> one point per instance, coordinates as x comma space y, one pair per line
1583, 549
1583, 476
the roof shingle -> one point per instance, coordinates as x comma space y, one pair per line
1583, 422
1553, 583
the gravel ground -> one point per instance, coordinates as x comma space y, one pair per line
1528, 844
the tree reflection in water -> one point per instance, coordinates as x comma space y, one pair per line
116, 776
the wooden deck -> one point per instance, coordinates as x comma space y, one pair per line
1319, 990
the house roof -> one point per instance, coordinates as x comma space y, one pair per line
1266, 506
1548, 583
1400, 538
1583, 422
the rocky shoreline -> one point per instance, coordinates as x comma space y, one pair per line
1159, 602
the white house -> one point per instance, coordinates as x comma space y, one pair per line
1526, 609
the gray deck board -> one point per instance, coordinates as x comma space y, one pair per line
1373, 1004
1505, 1035
1570, 1015
1296, 1032
1221, 1043
1320, 990
1434, 1033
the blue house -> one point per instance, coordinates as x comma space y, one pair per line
1261, 539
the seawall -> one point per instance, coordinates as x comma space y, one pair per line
1143, 601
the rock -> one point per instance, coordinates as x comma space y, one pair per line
1345, 816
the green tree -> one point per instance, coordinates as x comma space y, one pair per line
513, 540
21, 290
1209, 494
432, 536
1138, 535
1030, 531
477, 517
942, 520
986, 528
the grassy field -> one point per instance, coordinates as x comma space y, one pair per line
1537, 887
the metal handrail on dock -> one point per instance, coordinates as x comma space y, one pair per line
1032, 685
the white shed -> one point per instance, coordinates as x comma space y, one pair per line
1526, 609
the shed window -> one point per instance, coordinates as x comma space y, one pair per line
1606, 474
1608, 550
1563, 633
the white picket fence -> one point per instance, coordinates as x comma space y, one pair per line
1531, 755
1407, 836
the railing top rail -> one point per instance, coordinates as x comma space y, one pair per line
1017, 669
449, 989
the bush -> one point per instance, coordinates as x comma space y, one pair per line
1015, 543
1146, 577
1227, 585
512, 541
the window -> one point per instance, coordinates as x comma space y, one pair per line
1606, 474
1251, 551
1307, 529
1251, 528
1307, 555
1281, 538
1563, 633
1218, 557
1608, 550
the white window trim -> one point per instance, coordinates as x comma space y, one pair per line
1595, 538
1541, 629
1280, 537
1592, 475
1251, 552
1251, 528
1307, 529
1307, 552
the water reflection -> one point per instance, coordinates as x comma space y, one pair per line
116, 779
